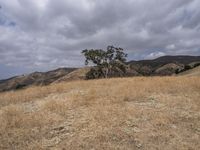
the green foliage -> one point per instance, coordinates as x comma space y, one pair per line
107, 63
94, 73
197, 64
19, 86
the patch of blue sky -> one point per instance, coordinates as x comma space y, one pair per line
5, 21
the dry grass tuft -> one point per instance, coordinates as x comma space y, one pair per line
55, 106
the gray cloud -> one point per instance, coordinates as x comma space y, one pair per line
46, 34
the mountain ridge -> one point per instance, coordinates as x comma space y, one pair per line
35, 78
162, 66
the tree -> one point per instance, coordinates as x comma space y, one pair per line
107, 63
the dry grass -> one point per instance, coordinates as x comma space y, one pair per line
129, 113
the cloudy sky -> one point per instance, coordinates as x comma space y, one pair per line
46, 34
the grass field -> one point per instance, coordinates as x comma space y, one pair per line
144, 113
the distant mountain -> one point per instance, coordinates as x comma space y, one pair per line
162, 66
36, 78
183, 59
165, 65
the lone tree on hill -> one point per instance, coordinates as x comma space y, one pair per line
107, 63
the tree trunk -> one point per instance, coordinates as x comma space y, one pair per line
106, 73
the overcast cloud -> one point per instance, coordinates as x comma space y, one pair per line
46, 34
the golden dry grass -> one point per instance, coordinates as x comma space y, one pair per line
122, 113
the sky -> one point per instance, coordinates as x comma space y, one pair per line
40, 35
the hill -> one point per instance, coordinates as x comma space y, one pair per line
158, 66
36, 78
78, 74
192, 72
140, 113
162, 66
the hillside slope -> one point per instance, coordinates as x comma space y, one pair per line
192, 72
151, 67
78, 74
36, 78
135, 113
